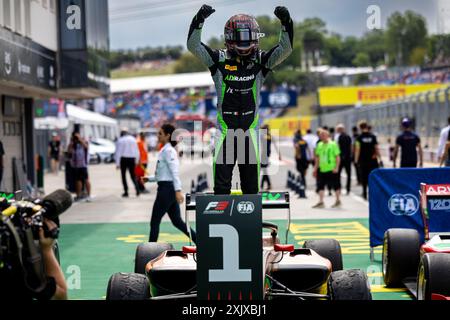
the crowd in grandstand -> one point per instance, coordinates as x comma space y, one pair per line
413, 75
157, 107
160, 106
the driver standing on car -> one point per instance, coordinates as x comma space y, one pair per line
238, 73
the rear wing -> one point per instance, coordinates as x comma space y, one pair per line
270, 200
436, 190
430, 191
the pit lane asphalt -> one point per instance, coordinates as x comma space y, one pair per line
108, 205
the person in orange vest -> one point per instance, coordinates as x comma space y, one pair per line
142, 165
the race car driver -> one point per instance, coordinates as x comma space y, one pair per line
238, 73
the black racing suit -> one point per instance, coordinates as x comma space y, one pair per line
238, 83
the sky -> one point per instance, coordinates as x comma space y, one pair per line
140, 23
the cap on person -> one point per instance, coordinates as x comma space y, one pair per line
123, 131
340, 126
406, 123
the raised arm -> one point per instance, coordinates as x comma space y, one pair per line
194, 44
283, 49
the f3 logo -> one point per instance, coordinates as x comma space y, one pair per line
216, 207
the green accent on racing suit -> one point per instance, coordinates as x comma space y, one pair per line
238, 81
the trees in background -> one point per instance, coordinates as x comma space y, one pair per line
406, 38
404, 42
120, 57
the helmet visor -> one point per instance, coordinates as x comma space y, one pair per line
242, 35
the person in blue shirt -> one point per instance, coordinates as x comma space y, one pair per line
169, 195
409, 142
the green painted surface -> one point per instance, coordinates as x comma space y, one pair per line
99, 250
442, 245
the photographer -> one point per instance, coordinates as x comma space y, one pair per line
12, 277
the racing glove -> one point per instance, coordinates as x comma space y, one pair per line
204, 12
282, 13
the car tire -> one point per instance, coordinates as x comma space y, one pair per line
329, 249
148, 251
433, 275
350, 284
401, 255
128, 286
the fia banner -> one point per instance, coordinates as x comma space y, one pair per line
394, 201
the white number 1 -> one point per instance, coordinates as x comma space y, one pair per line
230, 271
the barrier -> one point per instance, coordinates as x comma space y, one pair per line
201, 185
296, 184
394, 201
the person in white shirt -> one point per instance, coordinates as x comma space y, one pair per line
443, 140
169, 195
311, 139
127, 156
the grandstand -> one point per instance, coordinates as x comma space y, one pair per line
158, 99
413, 75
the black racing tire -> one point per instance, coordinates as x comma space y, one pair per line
128, 286
148, 251
351, 284
401, 256
329, 249
433, 275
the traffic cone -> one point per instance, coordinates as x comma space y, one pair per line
297, 185
301, 188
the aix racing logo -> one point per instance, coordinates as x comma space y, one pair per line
236, 78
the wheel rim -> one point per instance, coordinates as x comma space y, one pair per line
385, 257
421, 284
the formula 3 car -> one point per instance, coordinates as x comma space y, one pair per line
422, 267
314, 271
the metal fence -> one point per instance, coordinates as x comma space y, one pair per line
429, 111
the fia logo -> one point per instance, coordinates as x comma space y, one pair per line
245, 207
403, 204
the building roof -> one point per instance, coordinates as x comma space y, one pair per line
76, 115
173, 81
336, 71
80, 115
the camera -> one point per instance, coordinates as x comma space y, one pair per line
20, 222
